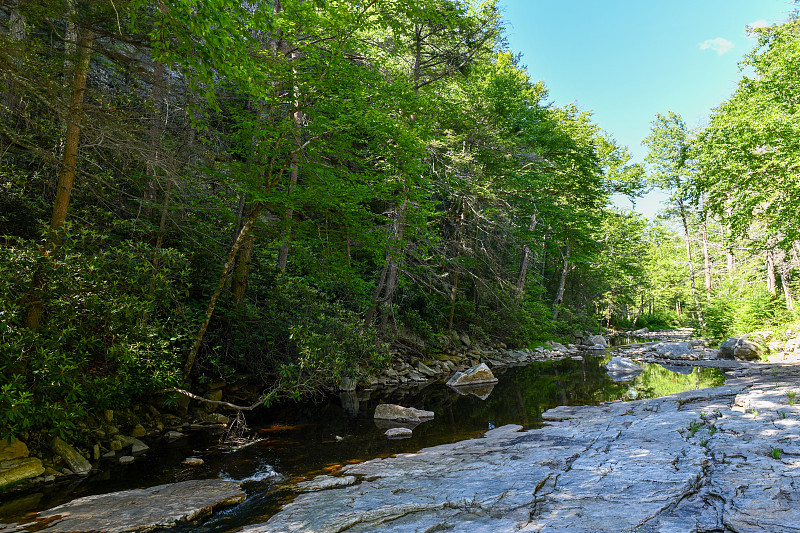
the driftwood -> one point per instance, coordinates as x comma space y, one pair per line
214, 402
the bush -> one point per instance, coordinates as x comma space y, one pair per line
300, 340
112, 328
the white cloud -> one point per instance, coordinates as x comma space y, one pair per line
754, 25
758, 24
719, 45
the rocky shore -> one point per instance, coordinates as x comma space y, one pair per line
725, 459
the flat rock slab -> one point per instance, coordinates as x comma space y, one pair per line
690, 462
136, 510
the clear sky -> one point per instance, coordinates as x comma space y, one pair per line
627, 60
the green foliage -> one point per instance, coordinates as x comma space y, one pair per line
113, 328
777, 453
302, 341
741, 310
694, 427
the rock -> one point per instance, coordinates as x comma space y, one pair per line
473, 376
327, 482
193, 461
76, 462
639, 331
126, 460
675, 350
115, 445
792, 344
409, 338
596, 347
425, 369
388, 411
740, 348
481, 390
398, 433
598, 339
622, 364
622, 369
215, 395
16, 449
622, 466
347, 384
138, 446
138, 431
557, 346
108, 416
465, 339
14, 470
141, 509
96, 452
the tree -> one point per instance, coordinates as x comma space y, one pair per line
669, 154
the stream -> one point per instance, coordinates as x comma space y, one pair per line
297, 441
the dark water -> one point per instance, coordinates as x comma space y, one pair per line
303, 440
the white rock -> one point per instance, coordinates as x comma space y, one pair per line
398, 433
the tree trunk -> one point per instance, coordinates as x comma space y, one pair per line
223, 278
772, 286
526, 254
453, 292
561, 284
283, 252
691, 263
785, 272
69, 163
706, 258
17, 32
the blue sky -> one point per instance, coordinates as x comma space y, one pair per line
627, 60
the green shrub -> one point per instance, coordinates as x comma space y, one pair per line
112, 328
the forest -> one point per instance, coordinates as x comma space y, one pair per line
291, 189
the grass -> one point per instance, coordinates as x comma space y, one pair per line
791, 396
693, 427
777, 453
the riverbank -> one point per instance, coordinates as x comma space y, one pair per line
720, 459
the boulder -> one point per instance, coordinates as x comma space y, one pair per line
422, 368
556, 346
15, 470
76, 462
138, 446
193, 461
141, 509
598, 339
792, 345
397, 413
473, 376
410, 339
126, 460
740, 348
138, 431
398, 433
214, 395
675, 350
639, 331
622, 369
16, 449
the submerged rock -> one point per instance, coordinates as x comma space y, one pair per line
740, 348
398, 433
478, 374
398, 413
140, 509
